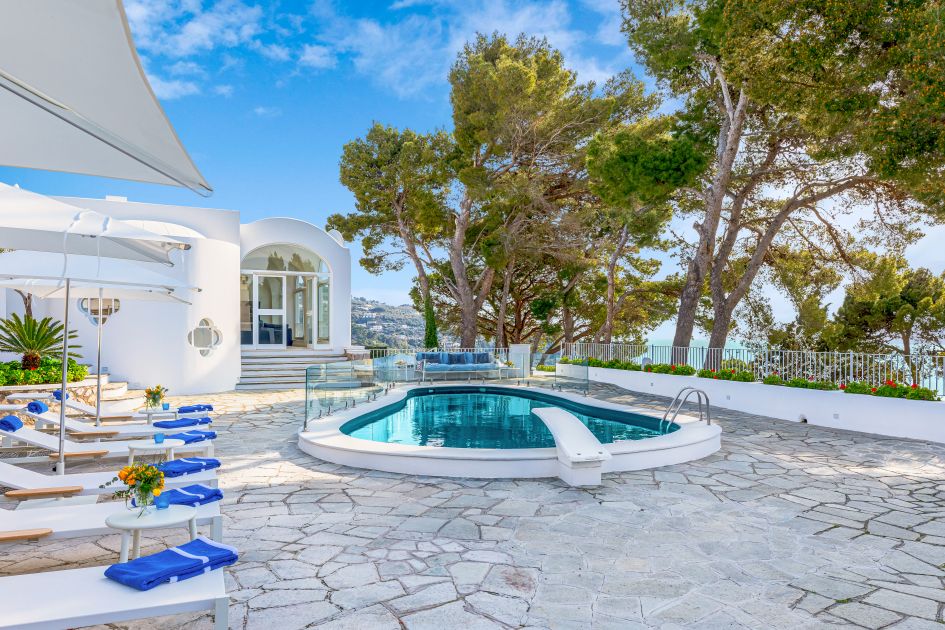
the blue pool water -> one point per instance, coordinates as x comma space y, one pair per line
484, 417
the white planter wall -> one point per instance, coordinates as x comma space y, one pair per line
916, 419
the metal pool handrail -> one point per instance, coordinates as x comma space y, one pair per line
681, 398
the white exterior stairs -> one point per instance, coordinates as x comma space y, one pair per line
281, 368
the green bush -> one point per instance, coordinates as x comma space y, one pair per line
545, 368
668, 368
800, 383
891, 389
857, 388
48, 372
730, 374
735, 364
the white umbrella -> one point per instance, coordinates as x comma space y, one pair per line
34, 222
75, 236
74, 97
92, 278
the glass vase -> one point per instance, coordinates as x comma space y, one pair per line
141, 501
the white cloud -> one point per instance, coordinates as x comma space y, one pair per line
183, 27
224, 90
318, 57
265, 111
186, 68
414, 52
274, 52
171, 89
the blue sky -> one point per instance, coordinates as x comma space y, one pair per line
265, 95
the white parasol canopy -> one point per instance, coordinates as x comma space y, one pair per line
89, 277
29, 221
74, 97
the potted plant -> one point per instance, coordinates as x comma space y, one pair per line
154, 396
144, 482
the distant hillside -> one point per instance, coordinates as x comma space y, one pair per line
375, 323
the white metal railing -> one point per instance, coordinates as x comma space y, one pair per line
926, 370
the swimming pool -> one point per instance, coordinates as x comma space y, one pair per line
450, 430
484, 417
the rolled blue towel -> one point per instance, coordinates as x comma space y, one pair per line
194, 408
180, 423
187, 465
37, 406
57, 394
11, 424
195, 558
190, 437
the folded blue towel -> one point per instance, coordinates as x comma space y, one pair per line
196, 494
181, 423
37, 406
187, 465
194, 408
57, 394
195, 558
11, 424
191, 437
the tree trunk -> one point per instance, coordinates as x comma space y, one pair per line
606, 333
729, 142
465, 294
500, 340
27, 303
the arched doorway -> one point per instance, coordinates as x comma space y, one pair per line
284, 298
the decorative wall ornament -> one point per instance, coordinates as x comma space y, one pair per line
206, 337
91, 308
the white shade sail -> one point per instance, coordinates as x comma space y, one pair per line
43, 276
74, 97
33, 222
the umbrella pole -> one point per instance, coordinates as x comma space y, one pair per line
61, 466
98, 365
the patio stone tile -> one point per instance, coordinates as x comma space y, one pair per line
788, 526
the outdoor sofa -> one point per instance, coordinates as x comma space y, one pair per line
459, 364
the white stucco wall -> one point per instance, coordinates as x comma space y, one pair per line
146, 342
338, 258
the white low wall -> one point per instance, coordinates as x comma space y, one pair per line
918, 419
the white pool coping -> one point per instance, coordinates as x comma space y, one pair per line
693, 440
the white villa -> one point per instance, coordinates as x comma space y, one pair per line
274, 295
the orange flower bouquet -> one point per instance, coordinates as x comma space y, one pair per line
143, 482
153, 396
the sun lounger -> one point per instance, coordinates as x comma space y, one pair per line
79, 428
29, 484
87, 449
75, 521
85, 597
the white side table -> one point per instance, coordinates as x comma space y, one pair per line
149, 414
150, 447
131, 525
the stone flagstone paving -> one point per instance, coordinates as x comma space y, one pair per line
788, 526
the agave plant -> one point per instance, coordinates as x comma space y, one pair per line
33, 338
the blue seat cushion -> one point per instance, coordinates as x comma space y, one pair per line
436, 367
482, 357
460, 358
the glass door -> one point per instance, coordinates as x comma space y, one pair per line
270, 310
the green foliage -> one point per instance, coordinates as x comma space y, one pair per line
643, 165
545, 368
801, 383
773, 379
430, 337
34, 339
895, 309
667, 368
891, 389
49, 371
727, 374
